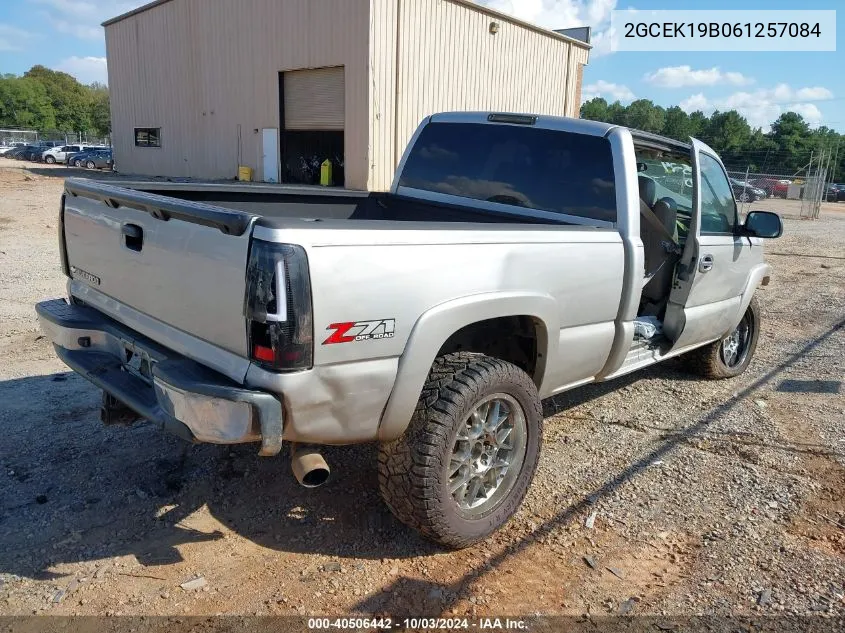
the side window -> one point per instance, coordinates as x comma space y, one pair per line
147, 137
718, 209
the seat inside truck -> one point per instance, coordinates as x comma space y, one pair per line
659, 234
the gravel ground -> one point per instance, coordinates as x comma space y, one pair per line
656, 494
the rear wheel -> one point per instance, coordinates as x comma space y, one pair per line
463, 466
731, 355
90, 164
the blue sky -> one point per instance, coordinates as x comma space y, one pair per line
66, 35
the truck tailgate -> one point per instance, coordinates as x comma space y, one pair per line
181, 263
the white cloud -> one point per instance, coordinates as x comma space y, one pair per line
814, 94
610, 91
762, 107
12, 38
681, 76
810, 112
695, 102
82, 18
79, 30
563, 14
86, 69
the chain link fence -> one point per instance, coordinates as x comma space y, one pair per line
12, 136
808, 185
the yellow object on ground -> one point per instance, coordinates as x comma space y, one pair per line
244, 173
326, 173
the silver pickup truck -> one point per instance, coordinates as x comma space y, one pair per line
515, 257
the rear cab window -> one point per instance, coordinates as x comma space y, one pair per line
543, 173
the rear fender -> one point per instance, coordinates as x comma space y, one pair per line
435, 327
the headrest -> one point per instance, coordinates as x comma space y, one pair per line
648, 190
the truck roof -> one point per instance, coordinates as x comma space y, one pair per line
565, 124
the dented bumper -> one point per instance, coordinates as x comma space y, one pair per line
186, 398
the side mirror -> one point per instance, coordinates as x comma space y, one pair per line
763, 224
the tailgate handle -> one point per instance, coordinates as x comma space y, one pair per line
133, 236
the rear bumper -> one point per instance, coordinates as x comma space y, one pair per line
186, 398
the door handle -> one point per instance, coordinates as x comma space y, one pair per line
706, 263
133, 236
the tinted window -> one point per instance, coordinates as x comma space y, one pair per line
516, 165
718, 209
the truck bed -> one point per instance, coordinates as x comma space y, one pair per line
315, 203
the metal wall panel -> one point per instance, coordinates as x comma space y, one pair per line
207, 73
447, 59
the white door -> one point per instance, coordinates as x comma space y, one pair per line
270, 154
705, 300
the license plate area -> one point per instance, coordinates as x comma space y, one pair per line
137, 362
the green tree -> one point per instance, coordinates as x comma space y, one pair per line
100, 109
595, 109
698, 123
729, 133
616, 113
791, 135
25, 103
677, 124
642, 114
70, 99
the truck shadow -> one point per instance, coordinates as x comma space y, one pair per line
76, 491
400, 599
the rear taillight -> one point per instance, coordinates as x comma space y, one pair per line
280, 327
62, 240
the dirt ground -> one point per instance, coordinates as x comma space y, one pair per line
704, 497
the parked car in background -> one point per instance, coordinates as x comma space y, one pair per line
16, 153
78, 159
9, 147
99, 159
773, 187
835, 193
28, 152
60, 153
746, 192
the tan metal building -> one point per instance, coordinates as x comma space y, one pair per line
199, 87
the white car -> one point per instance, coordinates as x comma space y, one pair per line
8, 148
60, 153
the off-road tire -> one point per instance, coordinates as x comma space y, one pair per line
707, 361
413, 477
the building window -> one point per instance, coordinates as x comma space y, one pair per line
147, 137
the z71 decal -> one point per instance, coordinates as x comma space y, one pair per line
360, 331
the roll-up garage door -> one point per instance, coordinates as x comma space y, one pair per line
314, 99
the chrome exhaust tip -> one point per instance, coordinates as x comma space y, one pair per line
308, 465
